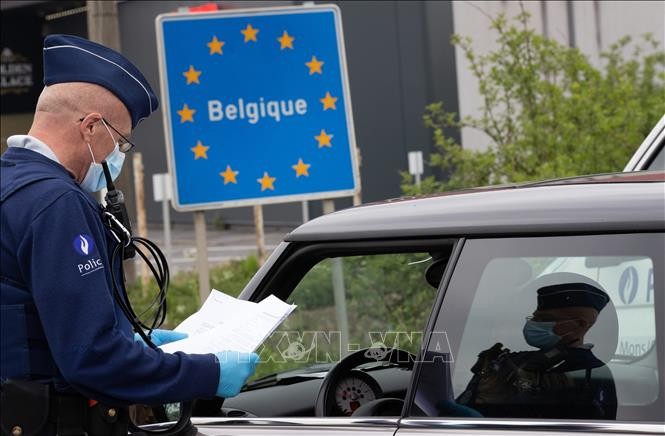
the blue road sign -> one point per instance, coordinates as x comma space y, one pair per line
256, 106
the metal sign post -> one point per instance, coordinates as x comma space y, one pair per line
161, 189
260, 234
202, 255
305, 211
141, 219
339, 291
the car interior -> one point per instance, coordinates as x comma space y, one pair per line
371, 379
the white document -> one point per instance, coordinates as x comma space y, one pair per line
226, 323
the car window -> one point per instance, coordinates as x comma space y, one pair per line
386, 300
492, 355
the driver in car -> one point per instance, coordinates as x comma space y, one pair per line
563, 379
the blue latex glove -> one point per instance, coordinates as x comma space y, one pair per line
161, 337
234, 370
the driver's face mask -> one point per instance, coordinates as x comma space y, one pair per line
540, 334
94, 179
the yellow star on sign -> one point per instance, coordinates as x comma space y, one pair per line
186, 114
329, 102
250, 33
215, 45
266, 182
324, 139
314, 66
301, 168
192, 75
200, 150
229, 175
285, 41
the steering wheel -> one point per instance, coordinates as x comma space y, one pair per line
325, 401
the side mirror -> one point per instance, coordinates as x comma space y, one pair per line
165, 419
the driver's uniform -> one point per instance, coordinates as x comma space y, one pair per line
568, 383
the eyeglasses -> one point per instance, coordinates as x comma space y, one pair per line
124, 144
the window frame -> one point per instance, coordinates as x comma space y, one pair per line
440, 423
298, 259
295, 260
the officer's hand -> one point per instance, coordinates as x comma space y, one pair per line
234, 370
161, 337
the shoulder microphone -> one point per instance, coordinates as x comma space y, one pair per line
115, 205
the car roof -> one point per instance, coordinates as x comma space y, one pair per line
618, 202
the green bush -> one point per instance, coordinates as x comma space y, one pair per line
547, 111
183, 294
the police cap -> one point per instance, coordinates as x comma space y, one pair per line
69, 58
571, 295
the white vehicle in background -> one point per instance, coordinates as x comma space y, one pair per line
650, 154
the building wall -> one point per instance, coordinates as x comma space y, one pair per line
25, 20
13, 124
592, 26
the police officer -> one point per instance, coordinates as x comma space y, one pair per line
563, 379
60, 326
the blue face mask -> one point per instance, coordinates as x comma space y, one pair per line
94, 179
540, 334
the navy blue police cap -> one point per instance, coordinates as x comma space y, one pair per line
571, 295
69, 58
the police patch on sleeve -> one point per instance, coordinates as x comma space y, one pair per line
84, 245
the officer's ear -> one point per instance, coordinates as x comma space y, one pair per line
88, 126
582, 325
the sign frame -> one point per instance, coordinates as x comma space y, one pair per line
166, 106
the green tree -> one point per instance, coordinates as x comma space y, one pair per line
548, 112
183, 293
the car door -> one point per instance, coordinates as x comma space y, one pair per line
355, 294
461, 385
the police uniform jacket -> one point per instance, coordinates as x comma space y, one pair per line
59, 320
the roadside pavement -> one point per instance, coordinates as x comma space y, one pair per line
223, 245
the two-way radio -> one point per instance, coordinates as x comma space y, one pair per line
115, 206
